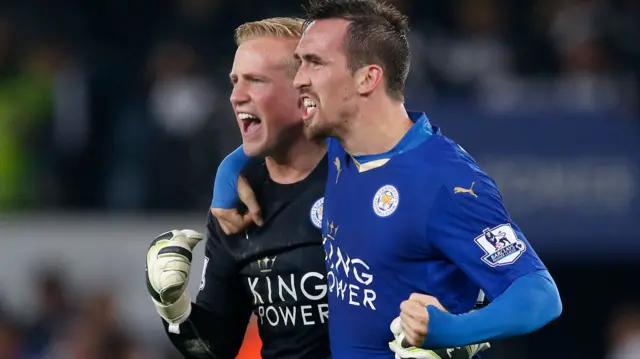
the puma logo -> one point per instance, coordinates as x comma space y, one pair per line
338, 168
466, 190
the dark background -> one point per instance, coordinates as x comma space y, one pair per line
114, 116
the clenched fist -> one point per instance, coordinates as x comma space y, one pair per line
168, 268
414, 318
410, 330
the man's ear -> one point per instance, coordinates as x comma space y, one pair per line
368, 78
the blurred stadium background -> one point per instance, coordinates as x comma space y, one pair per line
114, 116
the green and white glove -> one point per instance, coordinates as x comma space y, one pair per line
168, 269
402, 352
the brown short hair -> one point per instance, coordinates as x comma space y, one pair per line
287, 27
377, 34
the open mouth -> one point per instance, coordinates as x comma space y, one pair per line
249, 124
310, 108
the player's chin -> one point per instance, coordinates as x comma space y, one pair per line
313, 130
255, 146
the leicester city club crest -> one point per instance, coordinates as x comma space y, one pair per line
386, 201
317, 210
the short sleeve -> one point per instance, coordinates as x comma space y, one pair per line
470, 226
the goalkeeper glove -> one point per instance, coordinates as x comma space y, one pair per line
403, 351
168, 268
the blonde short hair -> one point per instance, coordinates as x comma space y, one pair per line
286, 27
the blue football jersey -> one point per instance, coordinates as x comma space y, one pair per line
424, 219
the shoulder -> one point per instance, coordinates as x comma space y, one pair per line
255, 172
449, 155
226, 249
215, 234
458, 174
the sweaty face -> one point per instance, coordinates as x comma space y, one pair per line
266, 104
327, 86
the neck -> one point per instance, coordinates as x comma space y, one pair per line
377, 128
296, 161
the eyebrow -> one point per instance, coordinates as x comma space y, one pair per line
234, 77
308, 58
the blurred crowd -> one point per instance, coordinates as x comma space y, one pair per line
68, 324
123, 106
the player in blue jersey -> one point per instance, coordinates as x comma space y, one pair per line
408, 215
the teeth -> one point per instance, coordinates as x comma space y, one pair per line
309, 103
246, 116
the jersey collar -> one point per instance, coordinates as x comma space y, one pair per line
417, 134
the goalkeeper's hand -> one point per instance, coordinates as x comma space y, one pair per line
168, 268
402, 350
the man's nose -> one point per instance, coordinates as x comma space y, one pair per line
301, 80
239, 94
